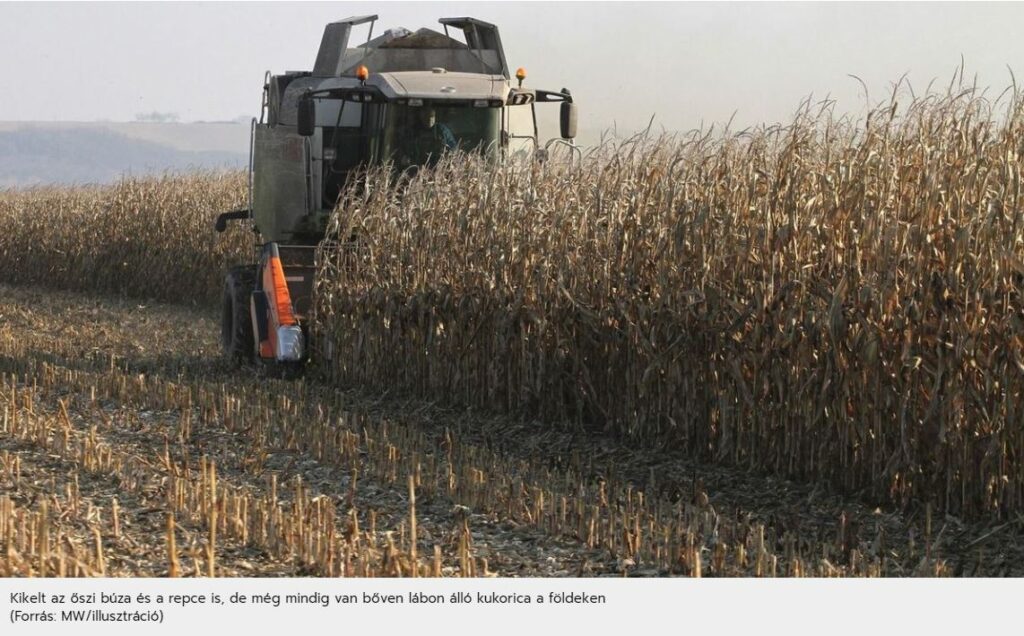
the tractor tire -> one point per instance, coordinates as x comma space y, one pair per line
235, 322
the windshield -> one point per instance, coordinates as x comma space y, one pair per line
418, 135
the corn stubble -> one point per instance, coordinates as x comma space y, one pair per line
245, 520
832, 300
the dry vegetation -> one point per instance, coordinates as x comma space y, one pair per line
833, 304
831, 300
143, 237
133, 460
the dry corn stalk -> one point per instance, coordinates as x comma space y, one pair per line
832, 299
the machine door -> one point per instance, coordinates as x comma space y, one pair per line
282, 184
346, 132
521, 130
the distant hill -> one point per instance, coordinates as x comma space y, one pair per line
41, 153
35, 153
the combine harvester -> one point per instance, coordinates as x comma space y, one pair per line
403, 97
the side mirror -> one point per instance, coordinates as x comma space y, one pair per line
568, 120
307, 116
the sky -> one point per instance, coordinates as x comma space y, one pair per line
686, 64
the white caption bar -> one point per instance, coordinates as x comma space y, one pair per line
506, 606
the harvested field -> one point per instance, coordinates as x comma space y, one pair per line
111, 435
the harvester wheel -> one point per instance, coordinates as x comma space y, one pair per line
235, 323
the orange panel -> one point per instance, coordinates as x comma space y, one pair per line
282, 300
279, 302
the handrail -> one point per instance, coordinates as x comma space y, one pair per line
565, 142
252, 153
265, 99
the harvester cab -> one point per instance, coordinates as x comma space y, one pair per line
402, 98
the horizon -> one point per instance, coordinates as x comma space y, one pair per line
688, 65
177, 83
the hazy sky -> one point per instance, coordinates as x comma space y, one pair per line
684, 62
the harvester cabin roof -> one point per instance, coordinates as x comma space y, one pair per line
428, 85
402, 50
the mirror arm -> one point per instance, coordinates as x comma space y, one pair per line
234, 215
552, 96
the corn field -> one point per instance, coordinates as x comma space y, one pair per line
143, 237
831, 300
789, 351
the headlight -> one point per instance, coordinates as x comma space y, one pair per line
289, 344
